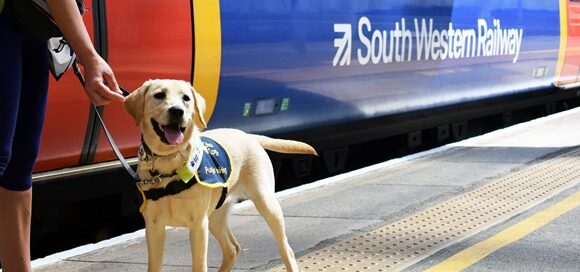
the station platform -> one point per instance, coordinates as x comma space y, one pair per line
504, 201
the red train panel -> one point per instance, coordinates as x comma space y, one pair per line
66, 118
152, 39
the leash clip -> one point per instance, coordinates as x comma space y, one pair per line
153, 180
156, 179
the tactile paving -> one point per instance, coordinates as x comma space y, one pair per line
400, 244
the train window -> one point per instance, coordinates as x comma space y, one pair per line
265, 106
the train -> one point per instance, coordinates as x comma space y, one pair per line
333, 73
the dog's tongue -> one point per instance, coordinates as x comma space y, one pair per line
173, 134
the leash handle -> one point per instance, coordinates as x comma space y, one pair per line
124, 162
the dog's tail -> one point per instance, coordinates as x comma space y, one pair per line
284, 146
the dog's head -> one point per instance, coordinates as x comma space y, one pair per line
169, 112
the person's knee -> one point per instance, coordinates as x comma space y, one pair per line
18, 173
14, 176
21, 183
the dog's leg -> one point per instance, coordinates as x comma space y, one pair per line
270, 209
198, 240
219, 227
155, 234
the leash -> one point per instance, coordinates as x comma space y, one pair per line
122, 159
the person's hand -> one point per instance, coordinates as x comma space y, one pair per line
101, 85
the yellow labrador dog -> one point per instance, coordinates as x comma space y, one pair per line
170, 115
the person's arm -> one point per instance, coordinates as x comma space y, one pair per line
101, 85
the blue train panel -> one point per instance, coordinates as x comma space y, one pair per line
289, 65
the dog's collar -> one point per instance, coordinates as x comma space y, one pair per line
146, 158
145, 153
185, 173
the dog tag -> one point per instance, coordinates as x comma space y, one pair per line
185, 172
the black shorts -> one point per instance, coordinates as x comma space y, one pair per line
23, 92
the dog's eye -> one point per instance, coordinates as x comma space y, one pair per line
159, 95
186, 98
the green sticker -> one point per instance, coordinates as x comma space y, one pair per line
285, 104
1, 5
247, 108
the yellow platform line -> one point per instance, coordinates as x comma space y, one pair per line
482, 249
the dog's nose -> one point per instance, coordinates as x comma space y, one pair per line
175, 112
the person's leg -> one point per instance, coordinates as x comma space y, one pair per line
15, 210
27, 77
12, 208
10, 75
31, 110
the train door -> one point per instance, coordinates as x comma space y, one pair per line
143, 40
66, 118
569, 63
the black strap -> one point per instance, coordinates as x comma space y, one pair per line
176, 187
173, 188
222, 198
124, 162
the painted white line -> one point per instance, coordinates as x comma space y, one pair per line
505, 137
54, 258
51, 259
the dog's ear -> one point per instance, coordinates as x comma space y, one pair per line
199, 113
135, 102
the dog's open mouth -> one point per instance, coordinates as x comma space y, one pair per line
171, 134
